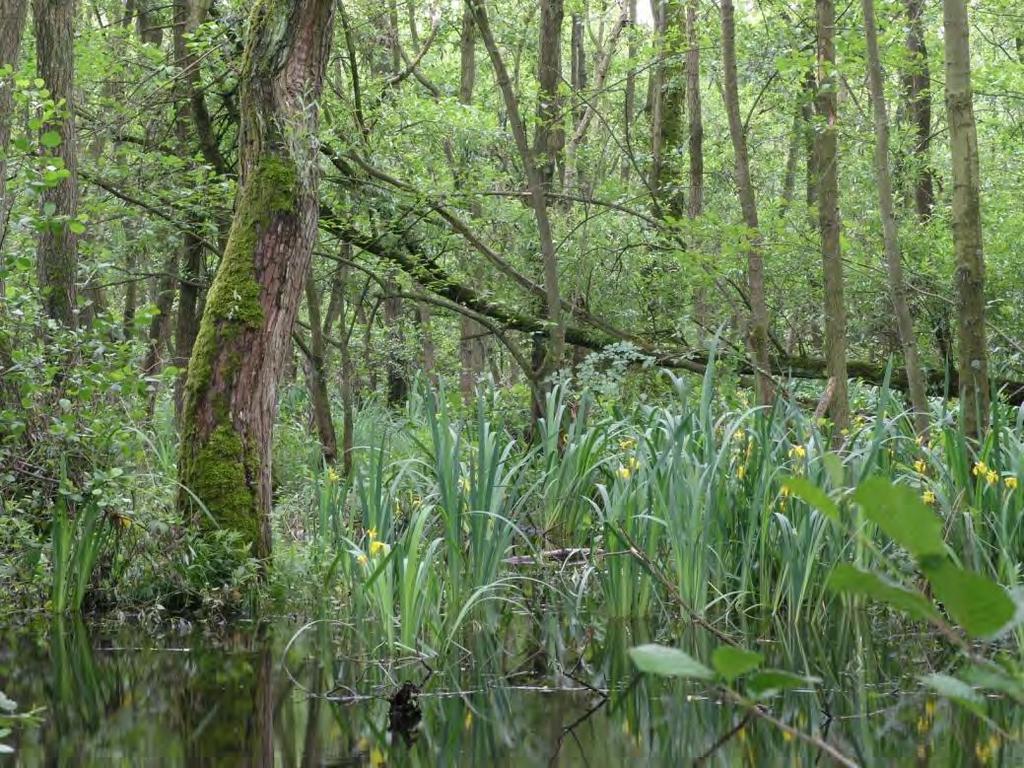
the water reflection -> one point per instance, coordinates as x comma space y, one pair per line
252, 699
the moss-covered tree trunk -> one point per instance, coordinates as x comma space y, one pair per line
57, 250
231, 390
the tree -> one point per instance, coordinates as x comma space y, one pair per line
757, 335
827, 166
693, 111
231, 390
917, 92
969, 280
550, 359
12, 24
57, 246
890, 235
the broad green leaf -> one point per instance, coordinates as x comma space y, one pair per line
979, 605
768, 682
995, 678
668, 662
731, 662
899, 511
76, 226
814, 496
50, 139
956, 690
846, 578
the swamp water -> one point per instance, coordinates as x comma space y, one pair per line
261, 697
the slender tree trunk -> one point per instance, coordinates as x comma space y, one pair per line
792, 158
758, 331
159, 329
472, 351
397, 379
12, 25
238, 357
317, 375
917, 90
828, 217
966, 215
347, 373
629, 101
693, 111
549, 138
536, 182
57, 248
668, 105
893, 259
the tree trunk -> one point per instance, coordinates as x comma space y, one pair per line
693, 111
668, 103
316, 379
629, 99
966, 215
890, 235
231, 392
57, 248
347, 374
917, 90
549, 138
827, 162
159, 329
535, 180
758, 332
397, 379
12, 25
472, 350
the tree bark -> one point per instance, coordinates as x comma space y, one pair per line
535, 180
239, 354
969, 281
549, 138
827, 161
668, 104
316, 379
12, 25
917, 90
757, 337
693, 111
890, 234
57, 246
629, 98
472, 335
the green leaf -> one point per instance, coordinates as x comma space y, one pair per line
995, 678
768, 682
850, 580
668, 662
76, 226
956, 690
49, 209
976, 603
811, 494
731, 662
899, 511
50, 139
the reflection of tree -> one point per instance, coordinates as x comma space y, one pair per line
227, 708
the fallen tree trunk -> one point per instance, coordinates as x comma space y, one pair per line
402, 250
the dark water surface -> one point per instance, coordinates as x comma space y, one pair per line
126, 697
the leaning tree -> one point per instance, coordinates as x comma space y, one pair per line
233, 374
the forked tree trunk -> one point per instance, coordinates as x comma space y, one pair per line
57, 247
969, 281
757, 336
890, 235
231, 394
827, 161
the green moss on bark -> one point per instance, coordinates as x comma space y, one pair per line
216, 474
220, 468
